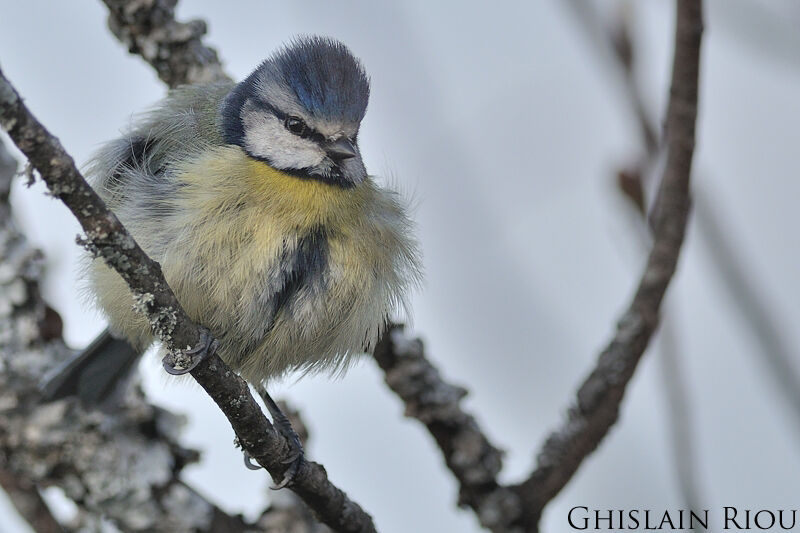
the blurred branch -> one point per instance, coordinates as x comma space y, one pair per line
617, 43
680, 417
107, 238
598, 399
174, 49
29, 503
746, 297
21, 491
469, 455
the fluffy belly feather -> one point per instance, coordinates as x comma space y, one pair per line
288, 274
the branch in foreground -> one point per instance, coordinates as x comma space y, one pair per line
174, 49
107, 238
599, 397
474, 461
124, 466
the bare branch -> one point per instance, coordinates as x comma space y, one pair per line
124, 466
107, 238
174, 49
474, 461
618, 45
598, 399
676, 391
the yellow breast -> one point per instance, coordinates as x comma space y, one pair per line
241, 215
224, 179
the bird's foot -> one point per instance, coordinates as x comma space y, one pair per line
185, 361
284, 427
293, 461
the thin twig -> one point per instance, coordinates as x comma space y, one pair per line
632, 184
598, 399
758, 316
106, 237
779, 357
618, 45
680, 414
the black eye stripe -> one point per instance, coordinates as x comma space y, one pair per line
266, 106
283, 117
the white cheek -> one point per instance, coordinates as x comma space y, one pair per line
266, 137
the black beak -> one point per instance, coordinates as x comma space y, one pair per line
341, 149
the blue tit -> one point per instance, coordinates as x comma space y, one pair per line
254, 199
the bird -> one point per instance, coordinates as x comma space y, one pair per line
254, 199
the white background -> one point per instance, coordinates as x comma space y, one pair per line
506, 127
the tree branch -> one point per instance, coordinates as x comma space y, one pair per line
676, 390
469, 455
107, 238
124, 465
598, 399
174, 49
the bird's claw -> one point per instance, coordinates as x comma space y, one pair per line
248, 462
293, 462
291, 472
284, 426
178, 364
295, 458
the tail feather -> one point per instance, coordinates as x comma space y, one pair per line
97, 375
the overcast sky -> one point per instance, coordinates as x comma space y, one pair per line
506, 126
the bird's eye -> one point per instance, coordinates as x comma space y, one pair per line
296, 126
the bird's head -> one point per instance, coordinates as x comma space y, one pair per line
300, 112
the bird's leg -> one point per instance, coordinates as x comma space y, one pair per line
184, 362
284, 427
